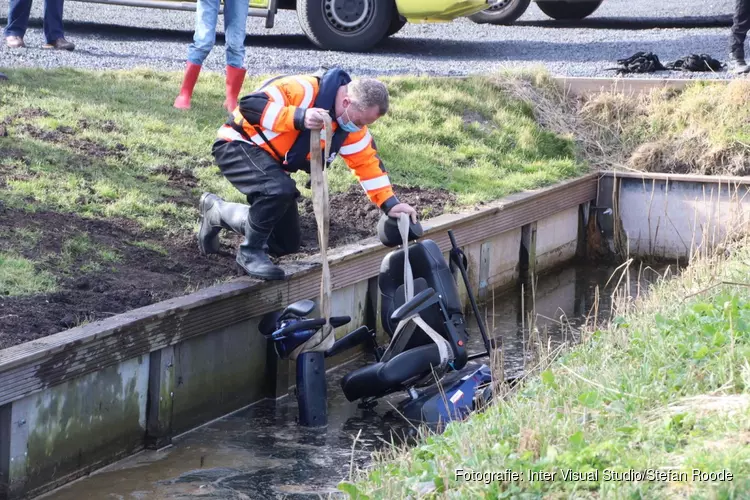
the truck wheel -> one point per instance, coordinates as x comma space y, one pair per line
505, 12
347, 25
397, 22
564, 11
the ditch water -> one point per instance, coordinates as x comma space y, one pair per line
261, 453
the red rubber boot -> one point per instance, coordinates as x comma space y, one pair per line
188, 83
235, 78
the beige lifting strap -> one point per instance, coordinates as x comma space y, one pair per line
323, 338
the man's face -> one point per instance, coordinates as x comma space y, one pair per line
348, 111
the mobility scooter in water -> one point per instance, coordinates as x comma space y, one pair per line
426, 356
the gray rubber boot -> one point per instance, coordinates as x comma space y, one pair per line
252, 256
216, 214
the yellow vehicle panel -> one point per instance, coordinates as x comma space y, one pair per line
438, 10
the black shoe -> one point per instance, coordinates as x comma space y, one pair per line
252, 257
257, 264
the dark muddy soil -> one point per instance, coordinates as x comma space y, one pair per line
354, 217
91, 288
140, 277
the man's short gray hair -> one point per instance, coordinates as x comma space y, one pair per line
368, 92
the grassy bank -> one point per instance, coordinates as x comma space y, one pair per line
665, 388
100, 178
108, 144
701, 129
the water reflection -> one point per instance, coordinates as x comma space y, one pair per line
558, 304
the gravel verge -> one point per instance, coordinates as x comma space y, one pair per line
110, 37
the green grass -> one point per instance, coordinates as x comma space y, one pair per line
116, 133
470, 138
22, 238
19, 276
80, 249
665, 387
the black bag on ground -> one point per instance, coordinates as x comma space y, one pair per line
696, 62
640, 62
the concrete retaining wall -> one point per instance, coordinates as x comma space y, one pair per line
78, 426
672, 217
556, 239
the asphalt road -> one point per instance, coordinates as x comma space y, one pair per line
109, 37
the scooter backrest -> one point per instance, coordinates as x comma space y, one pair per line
427, 263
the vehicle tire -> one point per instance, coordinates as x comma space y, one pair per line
345, 25
506, 12
397, 22
564, 11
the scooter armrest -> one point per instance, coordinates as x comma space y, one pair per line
422, 300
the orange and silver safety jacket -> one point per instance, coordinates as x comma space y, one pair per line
272, 118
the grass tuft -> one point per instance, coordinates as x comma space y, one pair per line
19, 276
153, 247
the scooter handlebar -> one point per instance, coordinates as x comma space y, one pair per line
337, 321
305, 324
308, 324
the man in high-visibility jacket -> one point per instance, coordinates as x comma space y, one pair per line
268, 137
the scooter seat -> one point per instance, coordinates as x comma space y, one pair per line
382, 378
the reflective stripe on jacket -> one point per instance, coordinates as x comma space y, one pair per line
277, 112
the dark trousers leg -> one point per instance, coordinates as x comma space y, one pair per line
53, 20
740, 26
286, 237
270, 191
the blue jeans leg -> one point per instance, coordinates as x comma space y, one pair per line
53, 20
206, 17
18, 17
235, 22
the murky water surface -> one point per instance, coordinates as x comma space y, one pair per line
261, 453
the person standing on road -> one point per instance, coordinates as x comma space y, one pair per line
18, 21
740, 26
204, 38
268, 138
